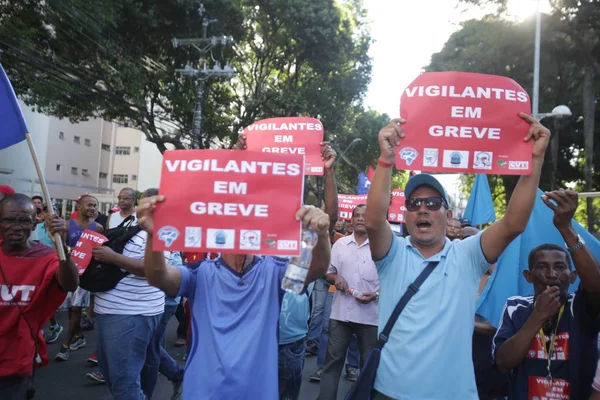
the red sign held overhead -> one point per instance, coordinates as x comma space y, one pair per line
397, 208
291, 135
82, 252
347, 203
229, 202
464, 122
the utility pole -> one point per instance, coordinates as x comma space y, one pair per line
202, 74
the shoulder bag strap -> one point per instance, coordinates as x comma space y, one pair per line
410, 292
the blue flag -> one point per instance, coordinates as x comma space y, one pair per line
480, 208
507, 279
363, 184
12, 124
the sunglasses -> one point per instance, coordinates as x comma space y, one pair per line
432, 203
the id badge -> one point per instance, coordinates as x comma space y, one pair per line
540, 388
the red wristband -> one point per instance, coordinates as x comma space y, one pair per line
384, 164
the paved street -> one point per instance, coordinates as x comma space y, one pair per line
67, 380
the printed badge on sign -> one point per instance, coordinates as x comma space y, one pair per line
168, 234
193, 236
456, 159
408, 154
482, 160
430, 157
220, 238
249, 239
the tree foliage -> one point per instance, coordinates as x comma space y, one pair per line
114, 59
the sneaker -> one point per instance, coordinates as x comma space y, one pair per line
180, 342
96, 376
53, 333
63, 354
93, 359
316, 377
78, 343
87, 325
352, 374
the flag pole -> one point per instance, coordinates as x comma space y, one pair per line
57, 239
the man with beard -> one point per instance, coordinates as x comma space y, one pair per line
87, 209
548, 342
37, 282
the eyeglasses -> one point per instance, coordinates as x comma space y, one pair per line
432, 203
16, 221
124, 198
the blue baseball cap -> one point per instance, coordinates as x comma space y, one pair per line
418, 180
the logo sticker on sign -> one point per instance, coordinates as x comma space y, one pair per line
249, 239
220, 238
463, 116
168, 234
193, 236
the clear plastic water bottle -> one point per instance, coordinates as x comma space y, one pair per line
354, 292
297, 269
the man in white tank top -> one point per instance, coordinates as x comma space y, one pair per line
127, 205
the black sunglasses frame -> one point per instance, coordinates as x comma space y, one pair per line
431, 203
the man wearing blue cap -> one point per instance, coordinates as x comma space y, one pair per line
428, 353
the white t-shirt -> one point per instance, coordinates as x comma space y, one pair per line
133, 295
115, 219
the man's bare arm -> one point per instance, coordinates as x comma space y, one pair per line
160, 274
320, 258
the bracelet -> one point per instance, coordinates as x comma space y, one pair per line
384, 164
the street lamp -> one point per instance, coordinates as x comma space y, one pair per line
558, 113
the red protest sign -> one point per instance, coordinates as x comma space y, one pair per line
464, 122
82, 252
291, 135
397, 208
347, 203
229, 201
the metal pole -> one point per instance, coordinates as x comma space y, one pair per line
197, 123
536, 62
554, 142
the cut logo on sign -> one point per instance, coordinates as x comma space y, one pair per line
518, 165
287, 244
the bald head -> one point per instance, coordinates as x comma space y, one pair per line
469, 231
16, 200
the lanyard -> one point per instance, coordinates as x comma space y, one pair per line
550, 350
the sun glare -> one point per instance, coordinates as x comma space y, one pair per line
523, 9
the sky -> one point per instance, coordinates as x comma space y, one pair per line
406, 34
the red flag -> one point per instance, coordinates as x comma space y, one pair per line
371, 173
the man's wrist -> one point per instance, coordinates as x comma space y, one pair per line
568, 233
382, 162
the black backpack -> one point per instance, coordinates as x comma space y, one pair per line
102, 277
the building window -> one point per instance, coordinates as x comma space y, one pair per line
85, 172
88, 142
134, 177
103, 175
136, 149
118, 178
61, 135
77, 139
123, 150
74, 170
58, 167
106, 147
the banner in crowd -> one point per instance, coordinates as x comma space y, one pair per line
347, 203
82, 252
397, 208
229, 201
289, 135
465, 122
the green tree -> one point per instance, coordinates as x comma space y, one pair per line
114, 59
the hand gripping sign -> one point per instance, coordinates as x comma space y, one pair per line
397, 208
229, 201
82, 252
347, 203
291, 135
464, 122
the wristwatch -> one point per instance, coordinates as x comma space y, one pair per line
577, 246
377, 296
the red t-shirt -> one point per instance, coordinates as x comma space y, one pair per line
30, 281
74, 215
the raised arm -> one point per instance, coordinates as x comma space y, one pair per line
158, 273
586, 264
499, 235
317, 221
378, 201
331, 195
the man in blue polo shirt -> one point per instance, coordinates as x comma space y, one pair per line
548, 342
235, 304
428, 354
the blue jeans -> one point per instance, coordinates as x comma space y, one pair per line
168, 367
351, 356
126, 356
319, 296
291, 363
